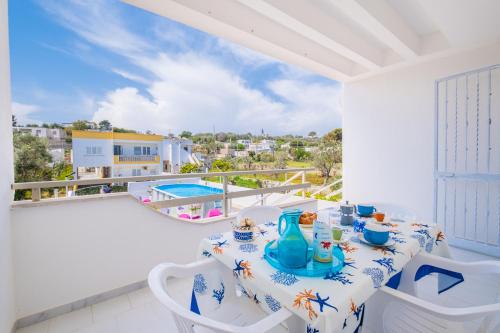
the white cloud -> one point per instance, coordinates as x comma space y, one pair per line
130, 76
98, 22
196, 94
191, 89
311, 106
24, 113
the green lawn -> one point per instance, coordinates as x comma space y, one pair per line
299, 164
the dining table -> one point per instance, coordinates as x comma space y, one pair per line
335, 301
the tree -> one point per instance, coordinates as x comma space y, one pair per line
55, 125
221, 165
189, 168
280, 159
300, 154
328, 154
31, 158
186, 134
62, 171
14, 121
105, 125
247, 162
123, 130
266, 157
80, 125
312, 134
335, 135
222, 137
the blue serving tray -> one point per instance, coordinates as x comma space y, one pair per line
312, 269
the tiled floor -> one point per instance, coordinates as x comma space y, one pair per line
139, 311
135, 312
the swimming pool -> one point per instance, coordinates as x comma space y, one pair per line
187, 190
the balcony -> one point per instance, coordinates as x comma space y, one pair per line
136, 159
79, 264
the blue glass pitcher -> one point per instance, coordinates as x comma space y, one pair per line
292, 246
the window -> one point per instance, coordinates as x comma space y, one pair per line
137, 150
136, 172
117, 150
146, 150
93, 150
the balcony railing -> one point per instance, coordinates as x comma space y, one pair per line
225, 196
119, 159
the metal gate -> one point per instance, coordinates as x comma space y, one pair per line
467, 159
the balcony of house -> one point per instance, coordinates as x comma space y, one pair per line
136, 159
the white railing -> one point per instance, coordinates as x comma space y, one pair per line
326, 187
136, 158
225, 196
263, 198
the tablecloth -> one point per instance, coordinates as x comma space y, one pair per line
331, 303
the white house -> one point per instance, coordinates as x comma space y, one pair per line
264, 146
244, 142
176, 152
55, 136
111, 154
56, 139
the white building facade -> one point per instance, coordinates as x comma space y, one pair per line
109, 154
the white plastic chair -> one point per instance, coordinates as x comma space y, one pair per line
259, 214
406, 310
234, 315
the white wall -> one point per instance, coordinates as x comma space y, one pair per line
126, 170
389, 131
81, 159
7, 313
74, 249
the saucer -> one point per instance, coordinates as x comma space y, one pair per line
390, 241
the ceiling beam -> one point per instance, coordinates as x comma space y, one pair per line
345, 43
209, 23
384, 22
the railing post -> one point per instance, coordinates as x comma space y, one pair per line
56, 193
303, 181
225, 202
35, 194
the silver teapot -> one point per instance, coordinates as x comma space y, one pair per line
347, 212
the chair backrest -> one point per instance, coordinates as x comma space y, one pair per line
214, 290
259, 214
400, 318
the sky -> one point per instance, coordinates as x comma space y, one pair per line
95, 60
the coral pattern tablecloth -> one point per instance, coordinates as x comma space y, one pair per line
334, 302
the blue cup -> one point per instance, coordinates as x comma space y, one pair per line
376, 234
366, 210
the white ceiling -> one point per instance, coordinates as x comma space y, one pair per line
342, 39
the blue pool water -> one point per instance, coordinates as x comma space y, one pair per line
187, 190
